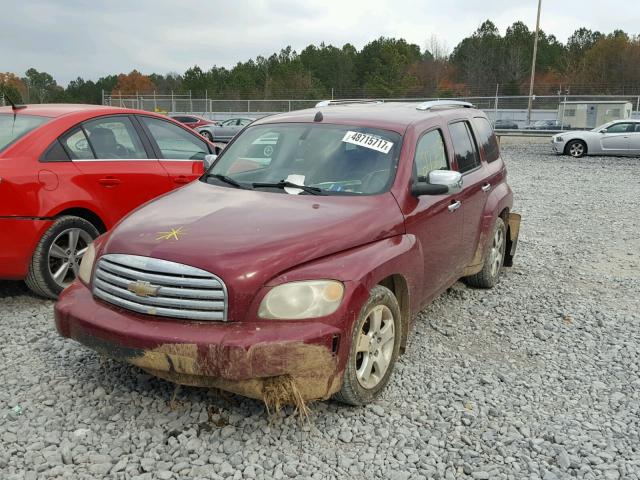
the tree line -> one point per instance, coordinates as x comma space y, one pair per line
590, 62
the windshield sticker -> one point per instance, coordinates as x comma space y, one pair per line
298, 180
368, 141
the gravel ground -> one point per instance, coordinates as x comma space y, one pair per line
537, 378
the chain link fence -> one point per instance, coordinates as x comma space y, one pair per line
513, 108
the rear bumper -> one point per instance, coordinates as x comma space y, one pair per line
18, 240
234, 356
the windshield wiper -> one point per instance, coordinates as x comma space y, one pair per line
284, 183
226, 179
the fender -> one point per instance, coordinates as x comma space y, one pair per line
366, 265
363, 267
500, 199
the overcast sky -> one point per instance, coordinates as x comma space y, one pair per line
90, 39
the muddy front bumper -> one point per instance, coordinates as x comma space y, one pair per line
234, 356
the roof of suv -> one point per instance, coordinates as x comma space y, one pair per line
396, 116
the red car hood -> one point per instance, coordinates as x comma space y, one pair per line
249, 237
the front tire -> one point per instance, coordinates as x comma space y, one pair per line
494, 259
576, 148
375, 346
56, 259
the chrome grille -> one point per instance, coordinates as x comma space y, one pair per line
160, 287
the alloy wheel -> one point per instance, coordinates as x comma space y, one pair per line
374, 350
65, 253
576, 149
497, 251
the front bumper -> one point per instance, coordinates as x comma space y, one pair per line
233, 356
18, 239
558, 147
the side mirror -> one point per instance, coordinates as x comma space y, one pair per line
604, 130
439, 182
208, 161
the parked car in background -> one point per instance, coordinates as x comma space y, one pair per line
548, 125
224, 131
193, 121
70, 172
620, 137
505, 124
304, 254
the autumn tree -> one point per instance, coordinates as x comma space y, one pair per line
133, 83
12, 86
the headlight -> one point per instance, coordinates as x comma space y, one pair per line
559, 139
86, 264
297, 300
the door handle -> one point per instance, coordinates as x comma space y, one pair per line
486, 187
181, 179
109, 182
454, 206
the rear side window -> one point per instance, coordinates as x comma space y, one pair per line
464, 146
55, 153
174, 142
13, 127
430, 155
114, 138
76, 143
487, 139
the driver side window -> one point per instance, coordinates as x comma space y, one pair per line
114, 137
430, 155
620, 128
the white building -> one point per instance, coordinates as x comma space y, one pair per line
586, 114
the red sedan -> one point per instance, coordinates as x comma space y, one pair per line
70, 172
193, 121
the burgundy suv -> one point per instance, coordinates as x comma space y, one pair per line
303, 254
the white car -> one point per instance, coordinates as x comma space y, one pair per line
620, 137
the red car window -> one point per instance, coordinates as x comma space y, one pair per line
13, 127
174, 142
114, 137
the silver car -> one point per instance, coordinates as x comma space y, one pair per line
620, 137
225, 131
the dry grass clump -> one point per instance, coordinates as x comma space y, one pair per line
278, 392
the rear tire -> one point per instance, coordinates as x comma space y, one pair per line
207, 135
374, 349
56, 259
493, 260
576, 149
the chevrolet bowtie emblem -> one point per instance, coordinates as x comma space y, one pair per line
143, 289
173, 234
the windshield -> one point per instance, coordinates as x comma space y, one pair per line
333, 159
13, 127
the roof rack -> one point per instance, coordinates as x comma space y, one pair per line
444, 104
329, 103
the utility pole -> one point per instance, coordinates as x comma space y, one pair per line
533, 64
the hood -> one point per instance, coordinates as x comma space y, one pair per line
582, 133
249, 237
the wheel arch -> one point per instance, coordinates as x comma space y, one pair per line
398, 285
86, 214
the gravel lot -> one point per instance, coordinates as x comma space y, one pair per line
537, 379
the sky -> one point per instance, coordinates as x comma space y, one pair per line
72, 38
